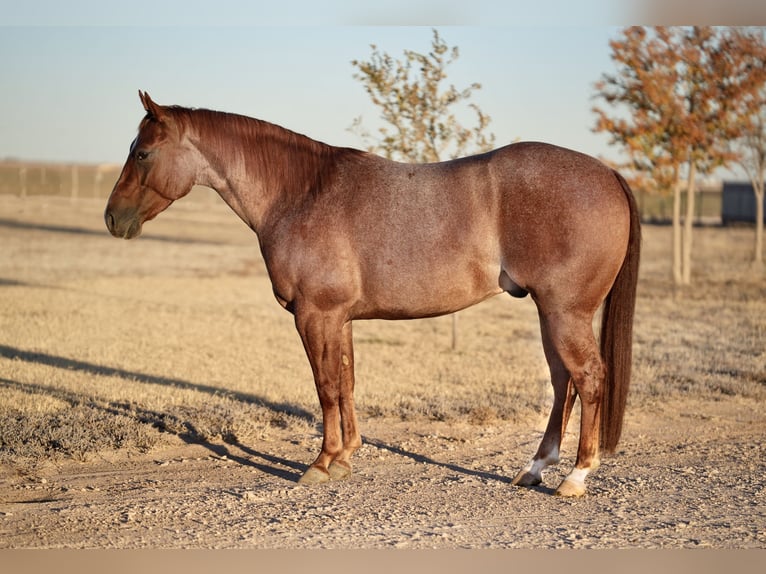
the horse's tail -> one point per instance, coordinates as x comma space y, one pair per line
617, 332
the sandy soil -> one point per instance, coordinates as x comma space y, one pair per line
689, 473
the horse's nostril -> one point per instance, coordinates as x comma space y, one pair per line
109, 221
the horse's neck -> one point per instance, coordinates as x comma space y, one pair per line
254, 165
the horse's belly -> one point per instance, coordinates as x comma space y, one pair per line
410, 291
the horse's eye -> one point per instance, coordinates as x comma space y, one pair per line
142, 155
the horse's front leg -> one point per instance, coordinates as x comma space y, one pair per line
340, 467
322, 336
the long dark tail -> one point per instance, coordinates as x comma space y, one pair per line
617, 332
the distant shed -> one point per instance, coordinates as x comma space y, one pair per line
738, 203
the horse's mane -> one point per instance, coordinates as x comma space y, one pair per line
284, 161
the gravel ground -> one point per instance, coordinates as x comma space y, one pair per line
690, 481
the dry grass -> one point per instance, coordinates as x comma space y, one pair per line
109, 344
707, 340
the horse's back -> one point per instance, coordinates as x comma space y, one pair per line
535, 171
433, 238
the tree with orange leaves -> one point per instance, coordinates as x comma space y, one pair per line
680, 95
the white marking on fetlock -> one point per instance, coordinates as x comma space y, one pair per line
532, 473
553, 457
574, 484
537, 466
578, 475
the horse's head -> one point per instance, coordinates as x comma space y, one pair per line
159, 170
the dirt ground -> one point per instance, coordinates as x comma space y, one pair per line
692, 482
690, 471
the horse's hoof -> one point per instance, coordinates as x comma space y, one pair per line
314, 475
526, 478
570, 489
339, 470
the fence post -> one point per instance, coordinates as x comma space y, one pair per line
75, 182
23, 181
97, 182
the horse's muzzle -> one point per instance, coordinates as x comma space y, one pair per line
124, 225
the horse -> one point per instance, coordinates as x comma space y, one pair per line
347, 235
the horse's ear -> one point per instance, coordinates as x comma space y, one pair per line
152, 109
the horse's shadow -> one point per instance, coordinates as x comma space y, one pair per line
276, 466
186, 431
276, 462
104, 371
420, 458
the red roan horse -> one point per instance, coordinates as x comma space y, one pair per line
349, 235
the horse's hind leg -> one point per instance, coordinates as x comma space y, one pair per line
571, 347
564, 395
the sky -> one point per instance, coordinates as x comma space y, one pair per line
71, 70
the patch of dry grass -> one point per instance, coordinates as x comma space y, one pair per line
106, 344
75, 432
707, 340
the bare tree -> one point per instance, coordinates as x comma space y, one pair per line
419, 113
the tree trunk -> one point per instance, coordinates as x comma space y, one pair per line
454, 332
759, 193
688, 226
677, 275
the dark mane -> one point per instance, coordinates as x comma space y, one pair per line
284, 161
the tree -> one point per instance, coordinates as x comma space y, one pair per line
753, 160
684, 91
750, 147
419, 114
643, 125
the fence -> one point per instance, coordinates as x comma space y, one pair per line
62, 180
67, 180
659, 208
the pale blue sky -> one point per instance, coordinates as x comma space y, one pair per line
71, 70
